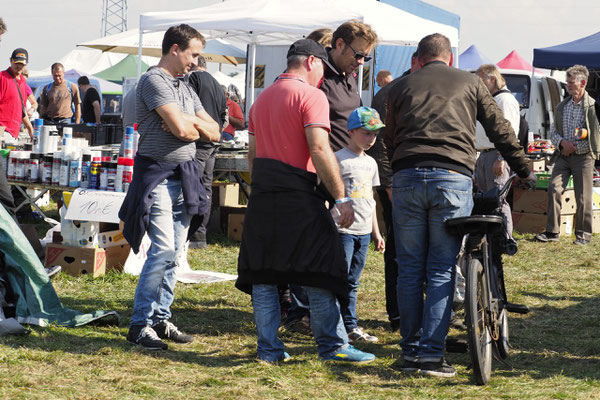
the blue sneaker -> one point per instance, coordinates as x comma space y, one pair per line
349, 354
284, 358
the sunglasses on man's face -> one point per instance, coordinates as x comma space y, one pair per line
358, 55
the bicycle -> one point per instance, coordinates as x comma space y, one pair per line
486, 304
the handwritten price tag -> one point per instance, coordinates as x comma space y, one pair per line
95, 205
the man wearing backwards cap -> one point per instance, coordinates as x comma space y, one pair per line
289, 235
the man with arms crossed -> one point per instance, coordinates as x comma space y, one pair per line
289, 236
164, 193
430, 137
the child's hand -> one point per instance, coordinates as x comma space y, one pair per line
379, 242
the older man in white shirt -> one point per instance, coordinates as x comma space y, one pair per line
491, 169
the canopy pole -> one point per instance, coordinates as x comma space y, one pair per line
250, 95
360, 78
139, 68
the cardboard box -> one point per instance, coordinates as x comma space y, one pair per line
596, 221
76, 260
235, 226
111, 239
537, 165
224, 215
228, 193
536, 201
536, 223
116, 256
544, 180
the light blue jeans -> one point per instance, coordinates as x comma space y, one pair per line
325, 321
423, 198
169, 223
356, 248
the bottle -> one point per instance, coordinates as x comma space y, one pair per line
12, 165
128, 142
64, 169
119, 177
20, 172
95, 173
5, 160
34, 167
104, 173
86, 164
47, 169
56, 163
67, 136
37, 143
136, 140
112, 175
75, 169
127, 173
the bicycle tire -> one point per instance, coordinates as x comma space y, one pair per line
480, 341
502, 344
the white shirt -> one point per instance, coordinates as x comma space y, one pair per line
510, 107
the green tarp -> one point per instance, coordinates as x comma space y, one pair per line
126, 68
36, 300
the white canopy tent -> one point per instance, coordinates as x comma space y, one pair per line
283, 21
127, 42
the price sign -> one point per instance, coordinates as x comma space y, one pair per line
95, 205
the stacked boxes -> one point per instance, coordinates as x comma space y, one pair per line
530, 208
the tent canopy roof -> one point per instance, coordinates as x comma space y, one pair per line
584, 51
126, 68
472, 58
282, 21
514, 61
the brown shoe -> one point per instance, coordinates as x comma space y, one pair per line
301, 326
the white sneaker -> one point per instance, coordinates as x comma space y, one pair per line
358, 335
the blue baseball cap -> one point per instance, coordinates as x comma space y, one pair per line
366, 118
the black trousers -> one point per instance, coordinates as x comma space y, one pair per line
206, 156
6, 197
389, 257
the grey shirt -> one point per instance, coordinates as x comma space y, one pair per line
157, 88
360, 175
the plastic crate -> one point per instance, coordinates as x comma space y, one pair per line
544, 180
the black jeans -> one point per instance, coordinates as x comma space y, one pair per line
205, 155
389, 257
6, 197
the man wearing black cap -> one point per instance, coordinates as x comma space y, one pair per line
13, 95
289, 235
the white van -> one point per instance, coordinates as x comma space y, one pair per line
538, 102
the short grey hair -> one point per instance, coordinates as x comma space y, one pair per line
579, 72
296, 60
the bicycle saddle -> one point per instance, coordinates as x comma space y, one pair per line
475, 224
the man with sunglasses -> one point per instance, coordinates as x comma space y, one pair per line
352, 43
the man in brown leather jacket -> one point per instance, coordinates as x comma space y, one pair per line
430, 137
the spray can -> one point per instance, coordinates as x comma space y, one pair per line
12, 165
86, 164
37, 142
112, 175
104, 173
136, 140
34, 167
75, 169
128, 142
64, 169
95, 173
127, 173
47, 169
56, 163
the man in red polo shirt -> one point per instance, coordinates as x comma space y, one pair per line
289, 235
11, 101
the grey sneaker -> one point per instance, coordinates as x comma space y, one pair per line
406, 366
437, 368
581, 242
146, 337
167, 330
547, 237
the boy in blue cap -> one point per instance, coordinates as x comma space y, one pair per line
360, 174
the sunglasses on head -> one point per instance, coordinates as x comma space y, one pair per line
358, 55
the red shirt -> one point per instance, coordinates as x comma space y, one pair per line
279, 116
11, 108
235, 111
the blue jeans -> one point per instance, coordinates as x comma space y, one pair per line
325, 319
355, 248
423, 198
167, 230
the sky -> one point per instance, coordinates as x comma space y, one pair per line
49, 29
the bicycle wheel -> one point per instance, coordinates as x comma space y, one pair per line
502, 342
480, 342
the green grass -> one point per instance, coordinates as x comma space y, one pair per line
555, 355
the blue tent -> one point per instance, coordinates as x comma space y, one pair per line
472, 58
396, 59
584, 51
